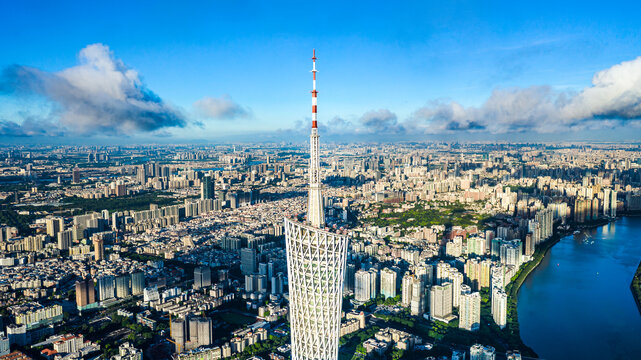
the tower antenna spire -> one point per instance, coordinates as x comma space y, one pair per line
314, 92
315, 210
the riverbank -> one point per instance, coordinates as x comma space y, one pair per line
635, 286
512, 289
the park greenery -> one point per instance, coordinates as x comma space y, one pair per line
131, 202
402, 318
109, 332
419, 215
262, 348
390, 301
10, 217
522, 189
379, 300
351, 345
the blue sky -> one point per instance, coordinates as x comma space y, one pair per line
401, 68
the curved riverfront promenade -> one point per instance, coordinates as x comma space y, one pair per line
577, 302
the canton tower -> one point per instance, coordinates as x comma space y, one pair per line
316, 257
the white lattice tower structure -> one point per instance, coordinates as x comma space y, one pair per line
316, 264
316, 259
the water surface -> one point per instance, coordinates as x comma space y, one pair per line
577, 304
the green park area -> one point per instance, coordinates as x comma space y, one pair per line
262, 348
132, 202
419, 215
236, 318
10, 217
523, 189
351, 345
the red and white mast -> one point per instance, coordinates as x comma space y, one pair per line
315, 210
314, 93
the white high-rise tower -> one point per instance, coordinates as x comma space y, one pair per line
316, 258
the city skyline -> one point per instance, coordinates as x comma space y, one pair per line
467, 174
425, 72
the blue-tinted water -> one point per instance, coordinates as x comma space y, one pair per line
577, 304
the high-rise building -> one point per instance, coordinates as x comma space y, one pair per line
374, 279
65, 239
442, 273
406, 289
106, 288
207, 190
495, 248
178, 331
248, 261
316, 259
425, 272
456, 278
350, 275
137, 283
529, 244
606, 202
545, 219
613, 203
262, 268
123, 288
250, 283
141, 175
441, 301
388, 283
511, 252
261, 284
99, 249
202, 277
54, 225
277, 283
417, 303
85, 293
499, 307
486, 273
363, 286
200, 332
475, 246
472, 270
470, 309
75, 175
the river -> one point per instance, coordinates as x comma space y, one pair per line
577, 303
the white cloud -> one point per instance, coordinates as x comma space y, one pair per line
613, 99
615, 94
223, 108
100, 95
